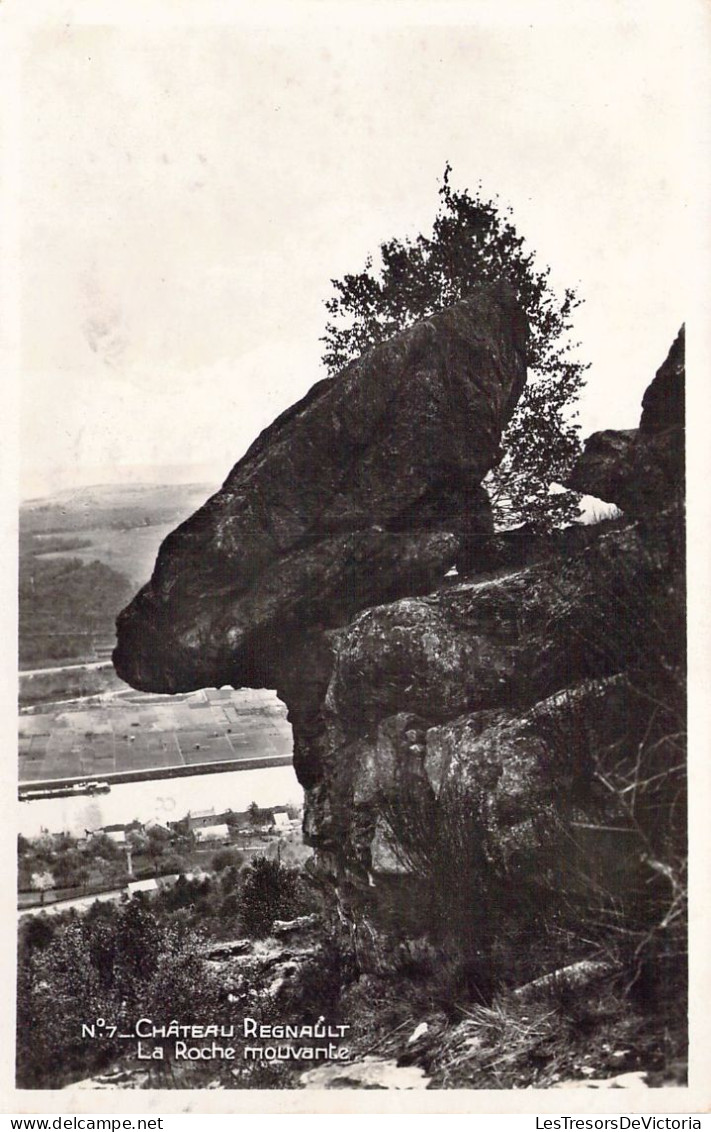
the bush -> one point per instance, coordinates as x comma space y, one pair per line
113, 963
269, 892
317, 989
227, 858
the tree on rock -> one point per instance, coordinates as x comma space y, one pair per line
472, 245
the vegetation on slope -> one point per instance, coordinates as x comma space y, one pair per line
66, 607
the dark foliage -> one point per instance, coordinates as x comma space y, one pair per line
479, 904
269, 892
116, 963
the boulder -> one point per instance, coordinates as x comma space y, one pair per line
365, 490
480, 710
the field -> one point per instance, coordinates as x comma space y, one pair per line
132, 556
83, 554
131, 732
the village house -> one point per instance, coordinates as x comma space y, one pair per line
215, 834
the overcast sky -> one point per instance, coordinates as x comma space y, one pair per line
187, 193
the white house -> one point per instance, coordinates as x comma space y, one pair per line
212, 833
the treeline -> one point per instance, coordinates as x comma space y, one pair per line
31, 543
60, 861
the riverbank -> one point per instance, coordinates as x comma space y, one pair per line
62, 787
164, 799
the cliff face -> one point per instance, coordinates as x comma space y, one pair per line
496, 710
448, 739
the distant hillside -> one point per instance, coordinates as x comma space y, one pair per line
121, 506
93, 523
82, 555
67, 608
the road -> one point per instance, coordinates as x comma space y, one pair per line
80, 903
93, 664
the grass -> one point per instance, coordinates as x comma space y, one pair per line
513, 1044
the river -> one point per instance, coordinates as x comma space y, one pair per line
162, 800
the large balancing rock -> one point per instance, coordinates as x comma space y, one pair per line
365, 490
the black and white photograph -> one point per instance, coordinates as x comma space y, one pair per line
356, 467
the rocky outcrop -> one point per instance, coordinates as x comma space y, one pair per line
493, 710
365, 490
641, 469
447, 739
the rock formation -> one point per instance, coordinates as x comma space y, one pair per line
641, 469
365, 490
467, 728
